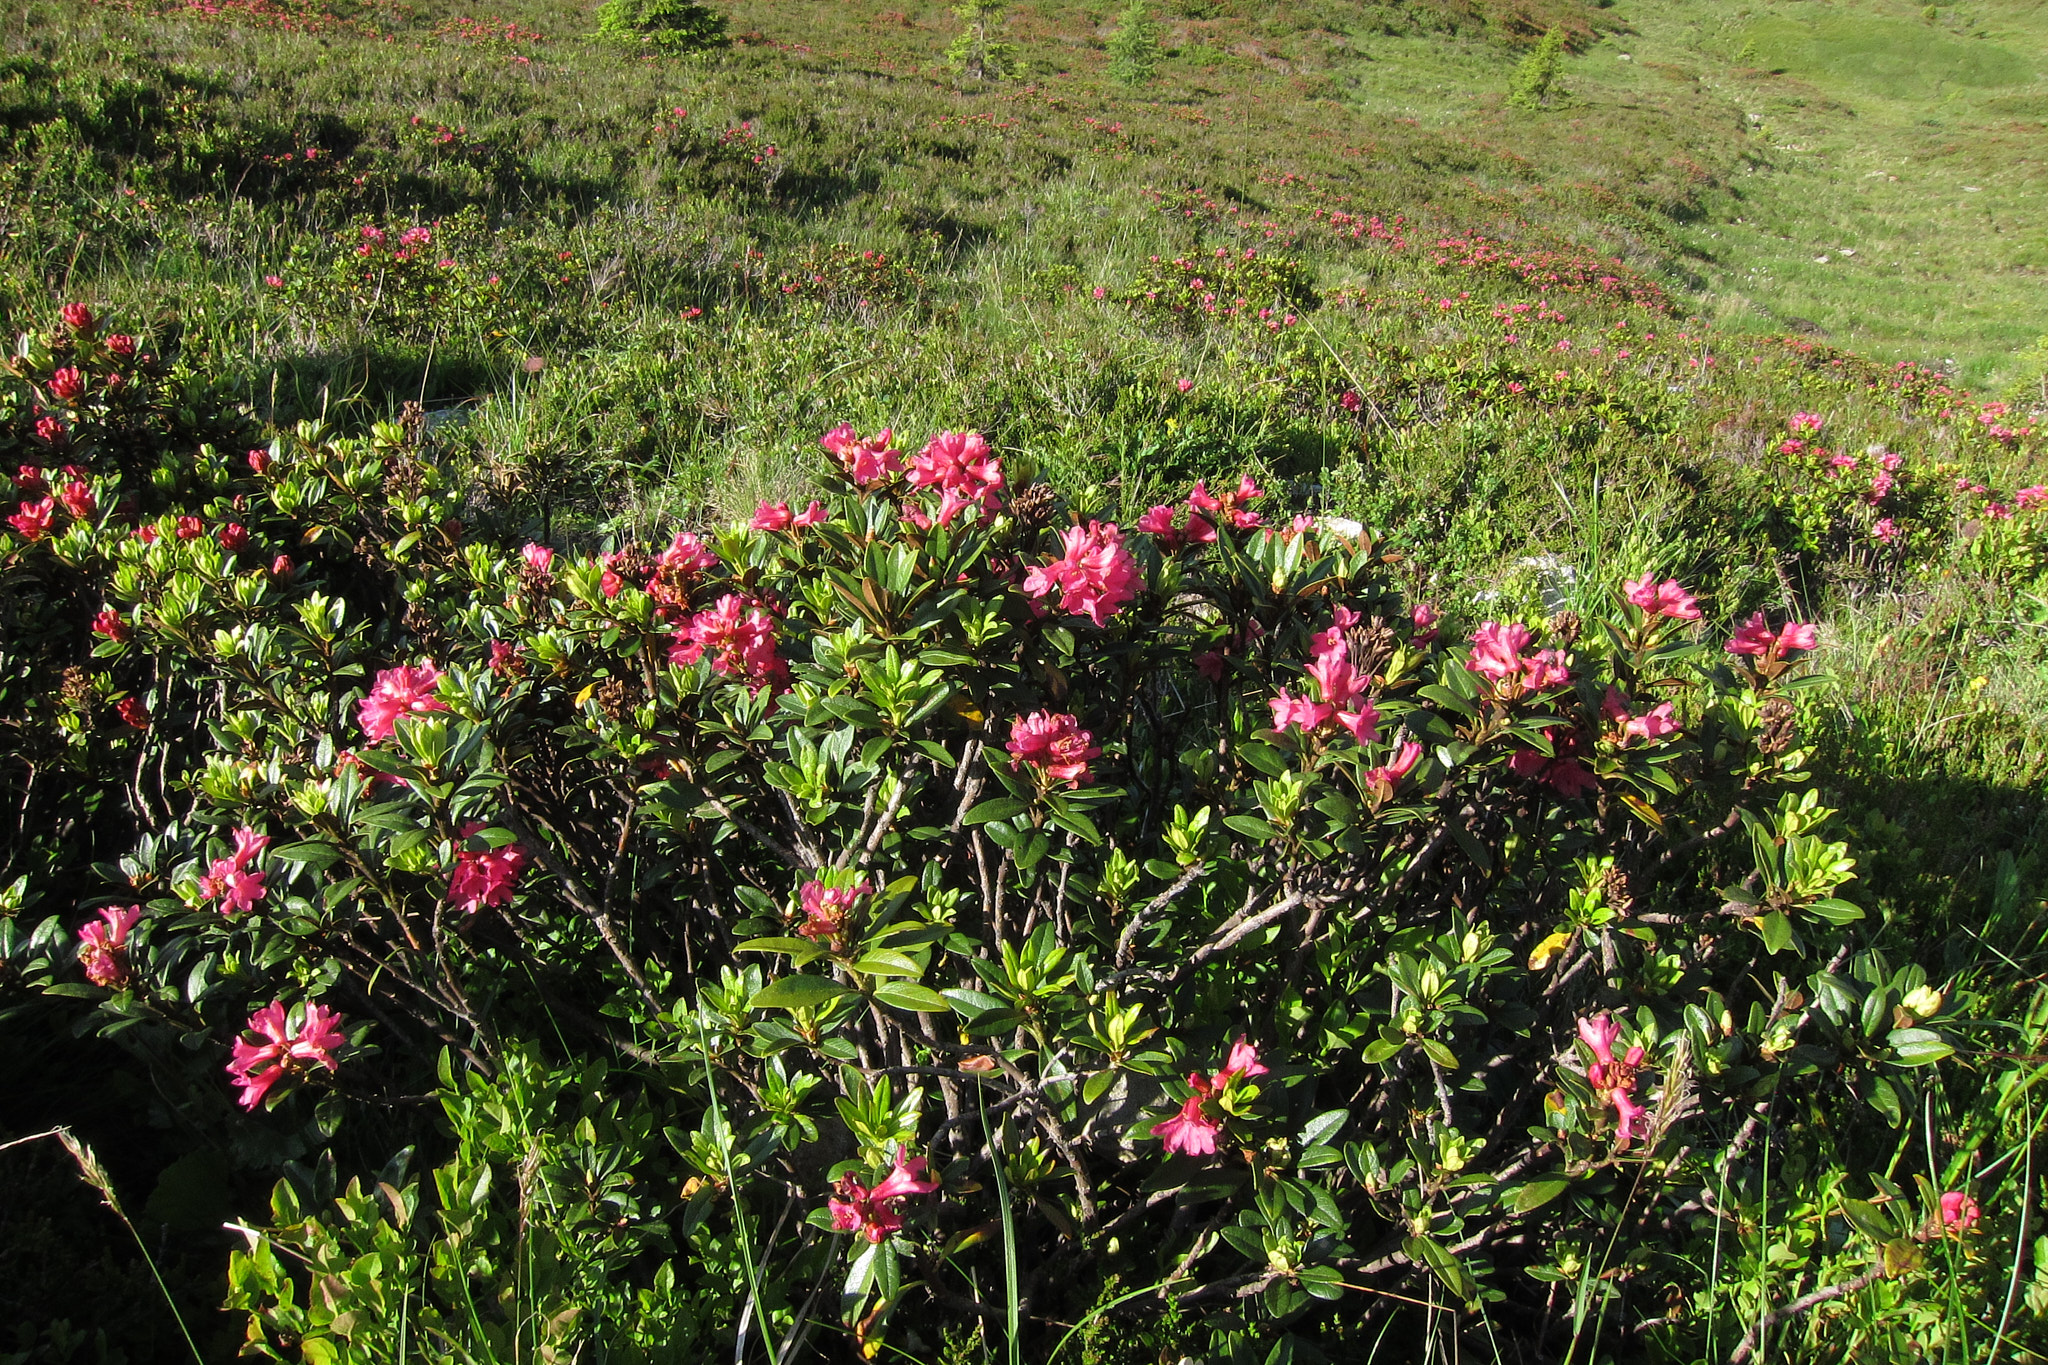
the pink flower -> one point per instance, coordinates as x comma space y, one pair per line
67, 385
77, 317
35, 519
1885, 529
1561, 771
958, 463
111, 624
1497, 650
400, 691
229, 880
1657, 723
1290, 711
1243, 1061
1231, 506
1614, 1080
1184, 384
772, 516
190, 528
872, 1212
504, 658
1095, 576
1334, 675
1209, 663
1403, 762
282, 1050
1363, 722
1810, 422
865, 461
132, 712
1959, 1212
1424, 616
1055, 745
234, 538
1890, 462
415, 236
281, 567
1190, 1131
826, 909
274, 281
740, 641
539, 558
103, 947
259, 462
1158, 522
810, 516
1662, 599
2028, 498
486, 878
1755, 637
1350, 401
78, 500
29, 479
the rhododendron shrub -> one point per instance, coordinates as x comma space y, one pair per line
1253, 930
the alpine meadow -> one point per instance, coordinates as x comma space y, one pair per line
1161, 682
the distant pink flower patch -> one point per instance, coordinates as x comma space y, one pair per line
398, 692
1885, 529
873, 1213
272, 1048
1666, 599
2029, 498
1805, 423
1055, 745
486, 878
1095, 575
103, 947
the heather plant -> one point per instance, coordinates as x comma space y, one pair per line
790, 903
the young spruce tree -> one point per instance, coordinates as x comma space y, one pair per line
977, 54
1535, 81
1134, 47
675, 27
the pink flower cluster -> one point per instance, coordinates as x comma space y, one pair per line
103, 947
1194, 1129
1094, 575
1665, 599
738, 636
1055, 745
1805, 422
776, 516
1562, 770
486, 878
865, 460
1614, 1079
229, 880
1233, 506
1959, 1212
1658, 723
872, 1212
281, 1049
398, 692
826, 909
1340, 687
1498, 655
964, 470
675, 573
1756, 639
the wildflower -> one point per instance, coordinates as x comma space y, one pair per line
78, 500
282, 1049
1661, 599
1184, 384
67, 385
103, 947
111, 624
740, 641
259, 462
1660, 722
810, 516
400, 691
1350, 401
1334, 676
539, 558
35, 519
415, 237
961, 465
190, 528
612, 580
78, 318
229, 880
1193, 1129
872, 1212
866, 461
485, 878
1383, 779
133, 712
1055, 745
122, 346
1095, 574
826, 908
1959, 1212
1561, 770
1290, 711
1231, 505
1754, 637
1363, 722
1497, 655
2029, 498
1885, 529
1810, 422
1614, 1080
1158, 523
233, 537
772, 516
1424, 616
281, 567
274, 281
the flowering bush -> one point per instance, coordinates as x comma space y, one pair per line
943, 892
1243, 286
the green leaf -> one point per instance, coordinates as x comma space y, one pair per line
1835, 911
314, 854
1264, 757
1536, 1194
1777, 931
796, 947
908, 995
1918, 1046
887, 962
1252, 827
797, 992
995, 808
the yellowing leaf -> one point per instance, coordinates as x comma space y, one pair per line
1548, 949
